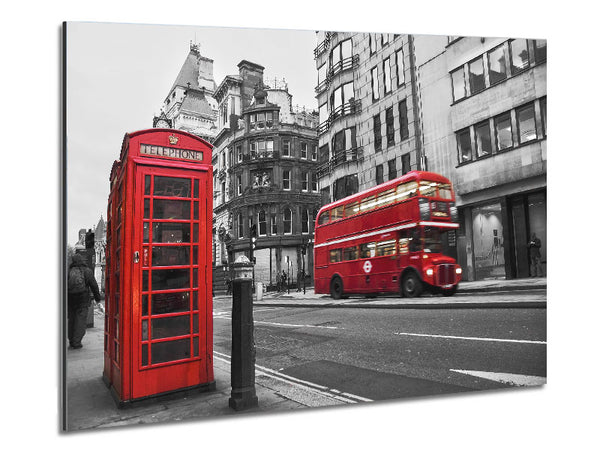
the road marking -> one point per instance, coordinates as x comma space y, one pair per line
345, 397
277, 324
513, 379
516, 341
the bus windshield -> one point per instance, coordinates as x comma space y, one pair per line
432, 242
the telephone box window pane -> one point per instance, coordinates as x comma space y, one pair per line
196, 346
195, 323
170, 351
170, 279
145, 280
172, 187
144, 330
146, 232
144, 354
171, 232
195, 278
146, 208
170, 256
170, 302
195, 251
170, 326
195, 232
144, 305
196, 206
171, 209
195, 300
196, 188
147, 185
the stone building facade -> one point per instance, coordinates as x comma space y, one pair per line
470, 108
265, 161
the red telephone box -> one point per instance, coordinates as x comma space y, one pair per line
158, 325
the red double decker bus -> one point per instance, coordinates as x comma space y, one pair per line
388, 239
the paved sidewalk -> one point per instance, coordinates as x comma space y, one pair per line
91, 406
498, 294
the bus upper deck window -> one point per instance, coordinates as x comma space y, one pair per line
428, 188
406, 190
386, 197
352, 208
445, 191
368, 203
324, 217
337, 213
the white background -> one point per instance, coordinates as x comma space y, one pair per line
563, 413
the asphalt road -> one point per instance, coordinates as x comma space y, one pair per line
378, 354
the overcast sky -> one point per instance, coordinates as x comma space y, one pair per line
119, 74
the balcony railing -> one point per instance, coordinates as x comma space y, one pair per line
347, 109
260, 155
323, 46
345, 64
339, 158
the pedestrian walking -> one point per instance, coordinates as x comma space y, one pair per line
80, 281
535, 256
284, 280
228, 283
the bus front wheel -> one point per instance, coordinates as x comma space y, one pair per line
336, 288
411, 285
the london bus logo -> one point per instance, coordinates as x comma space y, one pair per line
173, 139
367, 266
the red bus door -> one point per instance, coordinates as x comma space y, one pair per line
171, 305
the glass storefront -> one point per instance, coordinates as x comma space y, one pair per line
488, 245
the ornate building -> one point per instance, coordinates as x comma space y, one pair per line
265, 161
190, 104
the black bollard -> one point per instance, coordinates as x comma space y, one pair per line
243, 351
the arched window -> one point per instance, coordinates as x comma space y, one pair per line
262, 223
287, 221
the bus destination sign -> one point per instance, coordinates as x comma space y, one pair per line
169, 152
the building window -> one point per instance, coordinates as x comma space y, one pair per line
286, 180
372, 44
342, 95
379, 174
374, 83
303, 150
540, 50
322, 74
273, 224
526, 124
497, 64
262, 223
392, 173
458, 83
313, 153
503, 130
483, 139
305, 223
519, 55
253, 150
324, 153
387, 76
285, 148
238, 151
385, 39
240, 224
377, 132
269, 119
305, 176
405, 163
543, 114
239, 185
287, 221
323, 113
389, 126
345, 186
341, 56
463, 139
400, 67
314, 184
403, 115
476, 77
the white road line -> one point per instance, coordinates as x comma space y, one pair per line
315, 388
516, 341
514, 379
277, 324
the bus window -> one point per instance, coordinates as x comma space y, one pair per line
324, 217
350, 253
428, 188
414, 244
406, 190
433, 240
352, 209
403, 245
367, 250
368, 203
445, 191
386, 248
335, 255
386, 197
337, 213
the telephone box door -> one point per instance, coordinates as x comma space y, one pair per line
171, 295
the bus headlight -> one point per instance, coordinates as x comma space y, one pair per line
458, 270
429, 272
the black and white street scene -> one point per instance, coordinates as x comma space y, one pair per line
265, 221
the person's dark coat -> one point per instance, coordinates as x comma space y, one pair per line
78, 263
